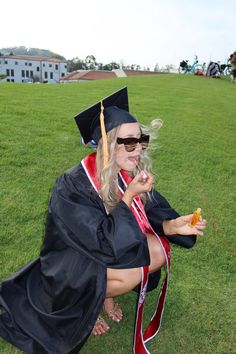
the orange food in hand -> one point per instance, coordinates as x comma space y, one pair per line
196, 217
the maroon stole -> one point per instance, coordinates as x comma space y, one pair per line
140, 339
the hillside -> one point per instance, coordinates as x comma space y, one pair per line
31, 52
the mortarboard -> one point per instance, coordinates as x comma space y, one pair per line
100, 118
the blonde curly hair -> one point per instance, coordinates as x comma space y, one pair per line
108, 175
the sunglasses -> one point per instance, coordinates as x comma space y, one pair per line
130, 144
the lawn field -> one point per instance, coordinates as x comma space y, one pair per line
194, 166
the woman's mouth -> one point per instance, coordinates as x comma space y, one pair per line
134, 159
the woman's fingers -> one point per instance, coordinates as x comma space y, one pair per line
201, 224
200, 233
142, 182
200, 227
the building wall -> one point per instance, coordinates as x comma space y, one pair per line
24, 70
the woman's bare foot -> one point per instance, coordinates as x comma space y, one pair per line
112, 309
100, 327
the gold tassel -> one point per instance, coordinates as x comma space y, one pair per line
104, 137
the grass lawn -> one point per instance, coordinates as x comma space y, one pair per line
194, 167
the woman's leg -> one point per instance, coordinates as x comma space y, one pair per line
120, 281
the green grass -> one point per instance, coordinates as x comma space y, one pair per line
194, 166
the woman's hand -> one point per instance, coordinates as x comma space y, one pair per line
141, 183
182, 226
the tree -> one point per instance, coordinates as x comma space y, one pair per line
100, 66
169, 67
156, 67
90, 61
76, 64
114, 65
111, 66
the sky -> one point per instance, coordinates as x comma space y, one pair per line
141, 32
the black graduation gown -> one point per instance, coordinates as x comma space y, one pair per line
51, 305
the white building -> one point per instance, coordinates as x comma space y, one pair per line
19, 68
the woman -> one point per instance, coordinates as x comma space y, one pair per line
100, 241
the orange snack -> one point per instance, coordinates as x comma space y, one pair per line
196, 216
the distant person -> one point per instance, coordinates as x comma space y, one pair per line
232, 59
107, 233
204, 68
213, 70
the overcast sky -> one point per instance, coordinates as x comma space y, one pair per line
143, 32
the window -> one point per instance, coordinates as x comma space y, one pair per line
8, 80
23, 73
8, 72
45, 75
26, 63
37, 68
63, 74
27, 73
65, 66
16, 62
30, 64
6, 62
12, 72
12, 80
50, 65
31, 73
43, 65
56, 66
51, 75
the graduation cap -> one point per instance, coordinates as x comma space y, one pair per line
103, 116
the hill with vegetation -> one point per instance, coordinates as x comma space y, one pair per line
31, 52
194, 166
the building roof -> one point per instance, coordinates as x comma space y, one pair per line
32, 58
104, 74
89, 75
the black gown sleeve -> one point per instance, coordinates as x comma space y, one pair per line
78, 214
158, 210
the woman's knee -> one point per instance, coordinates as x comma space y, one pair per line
157, 254
121, 281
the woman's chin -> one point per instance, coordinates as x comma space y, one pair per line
130, 167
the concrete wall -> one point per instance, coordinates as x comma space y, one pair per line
23, 70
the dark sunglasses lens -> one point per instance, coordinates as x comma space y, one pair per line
130, 144
144, 140
130, 147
